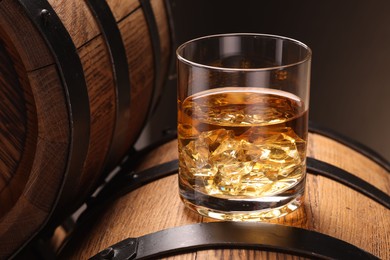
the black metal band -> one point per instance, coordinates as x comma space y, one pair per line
120, 69
353, 144
155, 38
116, 188
332, 172
135, 180
260, 236
263, 236
71, 72
125, 183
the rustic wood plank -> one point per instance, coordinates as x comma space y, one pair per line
13, 120
46, 156
77, 19
342, 212
18, 125
53, 137
28, 42
139, 56
10, 226
329, 208
49, 160
40, 157
53, 119
346, 158
122, 8
237, 254
102, 99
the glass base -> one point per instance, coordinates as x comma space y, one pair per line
258, 209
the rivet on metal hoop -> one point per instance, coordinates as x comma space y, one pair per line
45, 16
107, 253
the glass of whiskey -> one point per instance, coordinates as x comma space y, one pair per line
243, 103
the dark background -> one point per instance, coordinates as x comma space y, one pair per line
350, 40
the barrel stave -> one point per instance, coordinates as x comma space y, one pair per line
333, 152
330, 208
140, 71
39, 175
102, 100
74, 13
121, 9
22, 34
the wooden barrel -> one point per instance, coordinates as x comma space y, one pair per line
337, 218
78, 81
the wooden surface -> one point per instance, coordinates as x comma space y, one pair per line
122, 8
77, 19
36, 121
13, 118
140, 70
20, 32
102, 104
329, 208
48, 133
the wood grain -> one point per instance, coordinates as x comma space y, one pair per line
48, 162
53, 137
36, 125
140, 60
361, 166
13, 122
23, 35
77, 19
101, 89
329, 208
122, 8
102, 98
16, 235
40, 168
12, 117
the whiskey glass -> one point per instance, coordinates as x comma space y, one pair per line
243, 102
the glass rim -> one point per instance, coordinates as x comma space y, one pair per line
196, 64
